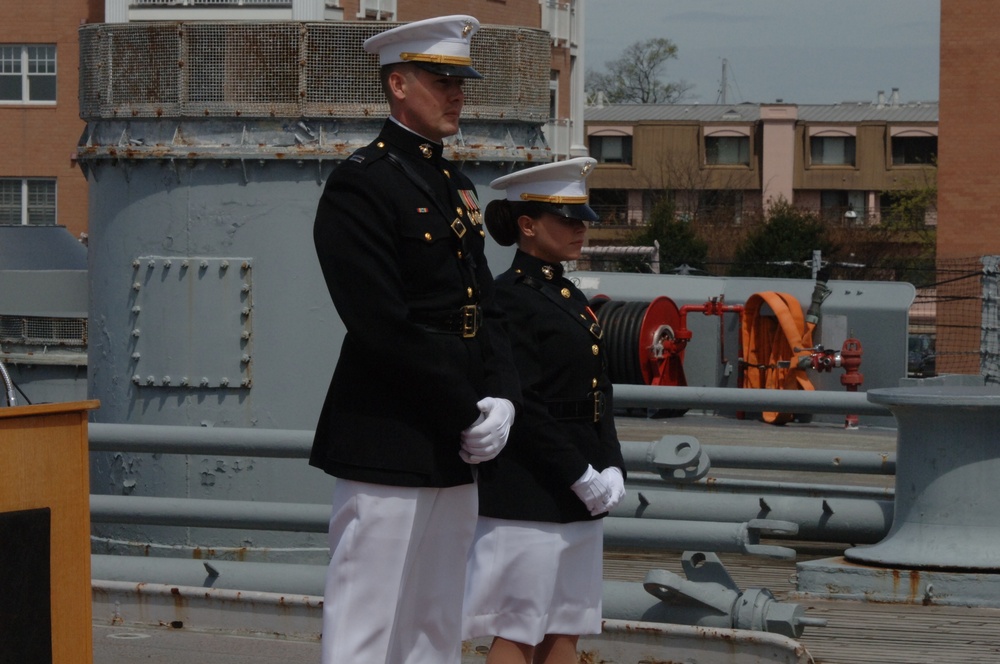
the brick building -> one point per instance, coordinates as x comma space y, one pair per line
968, 180
39, 112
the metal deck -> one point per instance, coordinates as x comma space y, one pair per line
856, 633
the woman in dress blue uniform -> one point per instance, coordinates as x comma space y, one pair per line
425, 385
534, 577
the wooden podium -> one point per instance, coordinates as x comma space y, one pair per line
45, 595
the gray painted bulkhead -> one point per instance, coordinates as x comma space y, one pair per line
154, 318
43, 313
206, 149
207, 305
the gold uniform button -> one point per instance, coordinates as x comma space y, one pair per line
593, 382
428, 237
459, 253
595, 349
459, 211
565, 293
381, 144
469, 291
482, 233
447, 174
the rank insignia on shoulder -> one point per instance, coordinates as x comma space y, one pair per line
356, 157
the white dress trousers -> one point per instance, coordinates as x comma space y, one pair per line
396, 578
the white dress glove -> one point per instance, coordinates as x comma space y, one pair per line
592, 489
488, 434
600, 492
612, 476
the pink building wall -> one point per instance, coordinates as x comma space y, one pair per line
778, 149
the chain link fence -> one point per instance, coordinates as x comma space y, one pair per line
955, 322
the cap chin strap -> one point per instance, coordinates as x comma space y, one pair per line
556, 200
438, 59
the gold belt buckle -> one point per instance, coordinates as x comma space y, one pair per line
470, 321
598, 405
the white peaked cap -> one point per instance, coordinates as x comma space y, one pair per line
559, 183
441, 42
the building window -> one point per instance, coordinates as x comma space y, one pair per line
727, 150
553, 95
377, 10
611, 149
720, 206
832, 205
914, 150
840, 206
832, 150
611, 205
27, 201
27, 74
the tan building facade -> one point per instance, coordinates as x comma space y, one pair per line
838, 159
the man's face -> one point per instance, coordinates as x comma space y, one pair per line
428, 104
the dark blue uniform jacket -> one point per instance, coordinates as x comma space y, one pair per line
406, 383
562, 363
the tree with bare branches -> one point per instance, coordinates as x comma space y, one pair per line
635, 77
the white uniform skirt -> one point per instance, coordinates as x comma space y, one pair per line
526, 579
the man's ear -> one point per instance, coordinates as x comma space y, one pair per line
396, 83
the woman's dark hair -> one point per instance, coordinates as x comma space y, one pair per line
502, 215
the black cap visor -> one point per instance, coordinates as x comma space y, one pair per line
460, 71
582, 212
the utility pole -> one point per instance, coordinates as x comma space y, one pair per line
722, 88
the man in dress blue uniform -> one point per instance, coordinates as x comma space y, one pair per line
425, 385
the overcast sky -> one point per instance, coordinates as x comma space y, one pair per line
799, 51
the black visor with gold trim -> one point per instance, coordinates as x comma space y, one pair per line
444, 66
460, 71
580, 211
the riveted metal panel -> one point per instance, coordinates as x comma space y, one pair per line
191, 322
